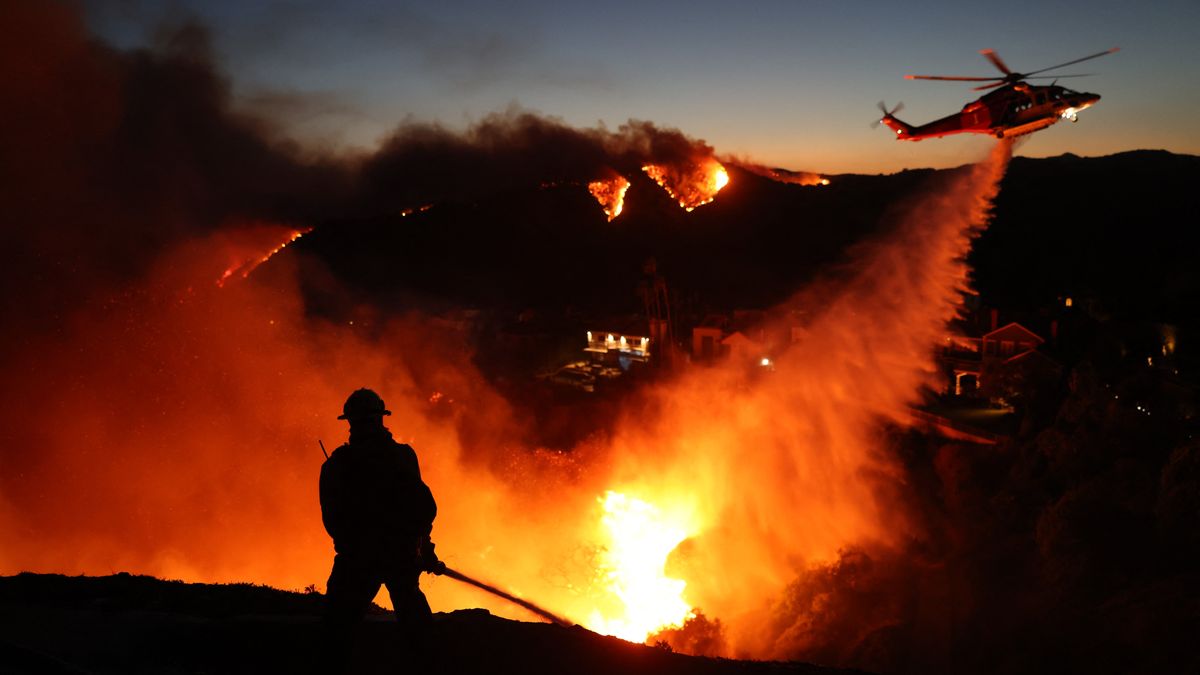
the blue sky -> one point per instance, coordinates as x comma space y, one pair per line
792, 84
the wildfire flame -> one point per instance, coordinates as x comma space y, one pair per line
246, 265
806, 178
640, 537
611, 195
693, 186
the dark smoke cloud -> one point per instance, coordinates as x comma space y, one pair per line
108, 157
427, 162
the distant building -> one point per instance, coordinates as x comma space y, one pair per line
616, 348
739, 338
706, 338
968, 360
740, 348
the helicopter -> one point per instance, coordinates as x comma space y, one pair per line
1014, 108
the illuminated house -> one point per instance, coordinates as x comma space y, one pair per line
619, 348
967, 358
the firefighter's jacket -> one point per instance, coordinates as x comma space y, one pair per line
373, 500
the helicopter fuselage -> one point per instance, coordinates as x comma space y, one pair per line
1012, 110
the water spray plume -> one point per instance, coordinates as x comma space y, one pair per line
790, 465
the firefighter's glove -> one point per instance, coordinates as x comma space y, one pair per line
429, 560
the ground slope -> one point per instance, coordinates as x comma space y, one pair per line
51, 624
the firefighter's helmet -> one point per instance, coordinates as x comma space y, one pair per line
363, 403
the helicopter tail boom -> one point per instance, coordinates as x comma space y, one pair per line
902, 129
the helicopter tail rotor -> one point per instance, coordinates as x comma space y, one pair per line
886, 113
903, 130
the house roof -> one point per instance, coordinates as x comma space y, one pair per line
1014, 332
738, 336
1034, 355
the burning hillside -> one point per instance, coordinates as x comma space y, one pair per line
610, 193
693, 185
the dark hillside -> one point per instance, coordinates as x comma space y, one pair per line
53, 624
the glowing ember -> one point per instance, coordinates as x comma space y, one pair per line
248, 265
692, 186
640, 539
611, 195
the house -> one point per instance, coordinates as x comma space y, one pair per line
740, 348
1009, 341
967, 360
616, 348
707, 336
740, 338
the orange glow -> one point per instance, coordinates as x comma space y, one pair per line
199, 409
782, 175
248, 262
693, 185
639, 539
611, 195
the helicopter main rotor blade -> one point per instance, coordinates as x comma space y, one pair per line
1047, 77
950, 77
989, 86
996, 61
1093, 56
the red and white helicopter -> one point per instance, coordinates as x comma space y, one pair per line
1014, 108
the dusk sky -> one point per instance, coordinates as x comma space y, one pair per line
790, 84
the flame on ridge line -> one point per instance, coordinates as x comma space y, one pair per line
693, 186
611, 195
249, 265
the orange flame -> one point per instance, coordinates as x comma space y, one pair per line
640, 537
248, 263
693, 186
611, 195
782, 175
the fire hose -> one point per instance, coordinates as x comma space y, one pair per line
552, 618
